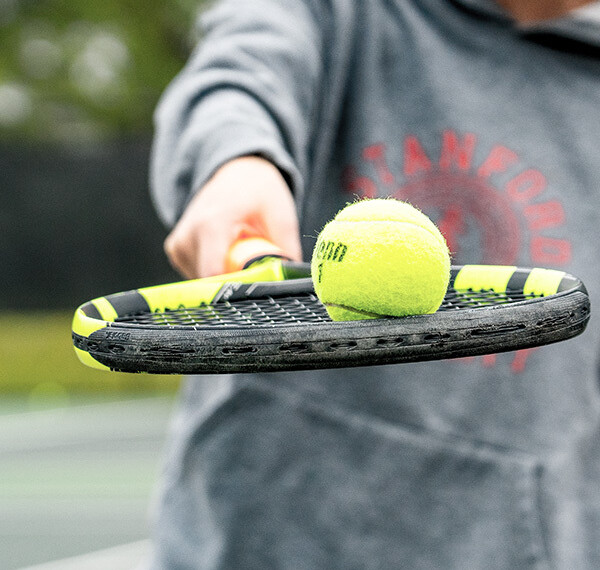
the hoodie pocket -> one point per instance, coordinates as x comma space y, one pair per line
297, 485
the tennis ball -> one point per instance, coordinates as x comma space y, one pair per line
379, 258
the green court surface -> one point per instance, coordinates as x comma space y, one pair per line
80, 450
37, 358
77, 479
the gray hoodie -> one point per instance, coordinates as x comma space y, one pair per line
492, 130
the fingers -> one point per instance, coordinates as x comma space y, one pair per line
180, 257
192, 255
247, 196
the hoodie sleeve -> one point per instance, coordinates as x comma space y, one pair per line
250, 87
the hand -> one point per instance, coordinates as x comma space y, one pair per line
247, 195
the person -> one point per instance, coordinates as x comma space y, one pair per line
486, 115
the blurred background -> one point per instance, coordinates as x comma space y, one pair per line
80, 450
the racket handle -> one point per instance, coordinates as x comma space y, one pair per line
247, 250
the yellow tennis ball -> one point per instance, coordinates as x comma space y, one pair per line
380, 258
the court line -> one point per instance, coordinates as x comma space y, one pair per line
93, 405
122, 557
129, 419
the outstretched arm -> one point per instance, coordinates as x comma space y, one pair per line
248, 91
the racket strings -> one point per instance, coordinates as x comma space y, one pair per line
298, 309
455, 300
267, 311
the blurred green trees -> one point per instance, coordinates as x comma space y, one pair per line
74, 71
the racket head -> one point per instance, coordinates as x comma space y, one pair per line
267, 318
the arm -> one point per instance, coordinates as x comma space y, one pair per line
249, 89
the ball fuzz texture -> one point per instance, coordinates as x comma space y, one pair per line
380, 258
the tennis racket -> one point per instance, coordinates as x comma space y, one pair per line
267, 318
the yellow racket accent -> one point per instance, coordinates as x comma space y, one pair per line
543, 282
105, 309
198, 291
160, 298
484, 277
87, 359
84, 325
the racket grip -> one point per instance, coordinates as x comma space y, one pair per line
247, 250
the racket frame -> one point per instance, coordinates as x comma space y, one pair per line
558, 309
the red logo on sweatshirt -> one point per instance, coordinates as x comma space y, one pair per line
492, 211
